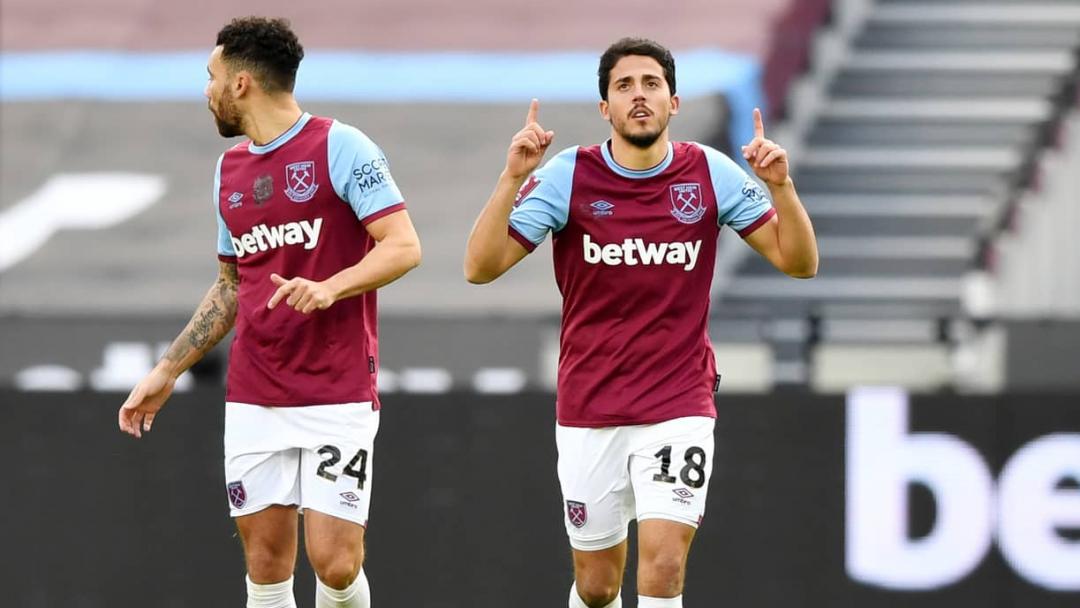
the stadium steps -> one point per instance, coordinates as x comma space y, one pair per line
946, 72
931, 122
1038, 25
892, 215
927, 170
895, 256
925, 129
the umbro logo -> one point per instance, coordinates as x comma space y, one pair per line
683, 495
350, 500
234, 200
602, 209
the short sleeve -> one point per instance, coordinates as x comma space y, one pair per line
360, 174
741, 202
543, 202
225, 249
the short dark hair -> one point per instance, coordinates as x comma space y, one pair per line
635, 46
266, 47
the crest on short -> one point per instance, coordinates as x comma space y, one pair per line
300, 181
237, 494
687, 206
576, 513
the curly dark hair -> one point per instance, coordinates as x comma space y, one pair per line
635, 46
266, 47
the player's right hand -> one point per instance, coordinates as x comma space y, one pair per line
528, 146
149, 395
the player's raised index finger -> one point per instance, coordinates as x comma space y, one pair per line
534, 111
759, 126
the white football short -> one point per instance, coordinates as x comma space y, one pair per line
317, 457
612, 475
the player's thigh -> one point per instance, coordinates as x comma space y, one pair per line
670, 469
598, 502
337, 464
269, 537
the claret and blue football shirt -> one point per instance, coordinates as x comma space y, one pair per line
634, 253
298, 207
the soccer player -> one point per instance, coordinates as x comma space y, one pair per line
635, 222
310, 223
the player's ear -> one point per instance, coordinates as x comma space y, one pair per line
604, 110
674, 105
243, 83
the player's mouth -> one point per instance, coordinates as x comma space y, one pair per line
640, 112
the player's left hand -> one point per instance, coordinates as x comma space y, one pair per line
768, 160
303, 295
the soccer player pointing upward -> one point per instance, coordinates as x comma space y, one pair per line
634, 224
310, 223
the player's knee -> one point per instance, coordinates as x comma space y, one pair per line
597, 593
265, 564
337, 575
337, 571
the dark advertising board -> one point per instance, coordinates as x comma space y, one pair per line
875, 499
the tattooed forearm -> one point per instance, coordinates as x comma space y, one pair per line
201, 330
210, 323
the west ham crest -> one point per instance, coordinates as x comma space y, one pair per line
576, 512
526, 189
237, 494
686, 203
300, 181
263, 189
